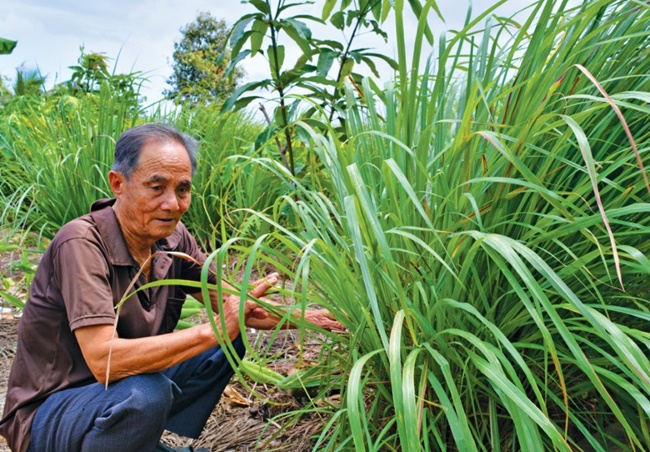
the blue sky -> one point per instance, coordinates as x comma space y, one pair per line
142, 33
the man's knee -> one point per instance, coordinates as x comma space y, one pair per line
149, 393
145, 400
90, 417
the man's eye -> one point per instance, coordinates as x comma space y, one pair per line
157, 187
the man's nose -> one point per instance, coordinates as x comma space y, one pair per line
171, 201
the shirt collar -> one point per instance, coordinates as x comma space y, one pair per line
109, 228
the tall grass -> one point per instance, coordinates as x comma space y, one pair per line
227, 179
18, 244
484, 239
482, 232
56, 153
59, 150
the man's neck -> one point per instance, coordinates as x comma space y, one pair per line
139, 249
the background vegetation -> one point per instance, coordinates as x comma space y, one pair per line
479, 223
200, 60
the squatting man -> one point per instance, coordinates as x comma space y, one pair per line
158, 378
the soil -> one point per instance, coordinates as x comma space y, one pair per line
262, 419
244, 420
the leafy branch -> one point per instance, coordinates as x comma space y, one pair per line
271, 22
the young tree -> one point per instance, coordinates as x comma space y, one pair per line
29, 82
91, 75
200, 61
90, 72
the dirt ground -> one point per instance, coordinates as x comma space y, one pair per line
244, 422
240, 422
7, 350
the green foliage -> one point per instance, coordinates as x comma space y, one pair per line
29, 82
228, 179
18, 247
57, 152
4, 89
11, 287
58, 147
91, 75
200, 61
90, 72
7, 46
271, 23
484, 238
482, 231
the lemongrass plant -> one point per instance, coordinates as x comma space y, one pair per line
17, 243
226, 182
482, 234
60, 149
484, 238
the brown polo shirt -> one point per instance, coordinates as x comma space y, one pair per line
84, 273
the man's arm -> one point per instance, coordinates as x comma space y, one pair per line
156, 353
141, 355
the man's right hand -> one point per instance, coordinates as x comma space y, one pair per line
251, 309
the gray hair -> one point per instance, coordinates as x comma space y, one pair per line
131, 142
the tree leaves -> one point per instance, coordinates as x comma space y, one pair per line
299, 33
327, 9
325, 85
202, 69
231, 102
7, 46
257, 35
325, 61
276, 58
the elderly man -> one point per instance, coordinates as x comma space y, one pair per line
67, 348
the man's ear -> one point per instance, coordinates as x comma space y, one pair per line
116, 181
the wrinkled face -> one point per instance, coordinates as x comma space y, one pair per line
151, 203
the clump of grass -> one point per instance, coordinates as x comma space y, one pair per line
483, 238
59, 150
227, 178
482, 233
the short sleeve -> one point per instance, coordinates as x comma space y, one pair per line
83, 276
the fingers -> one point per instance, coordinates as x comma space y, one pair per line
322, 319
267, 278
252, 309
264, 284
336, 326
332, 325
258, 313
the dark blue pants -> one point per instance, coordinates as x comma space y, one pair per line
132, 414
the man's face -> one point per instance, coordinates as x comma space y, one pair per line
152, 202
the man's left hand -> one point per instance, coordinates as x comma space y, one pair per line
322, 318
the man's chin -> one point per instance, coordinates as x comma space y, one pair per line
164, 228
